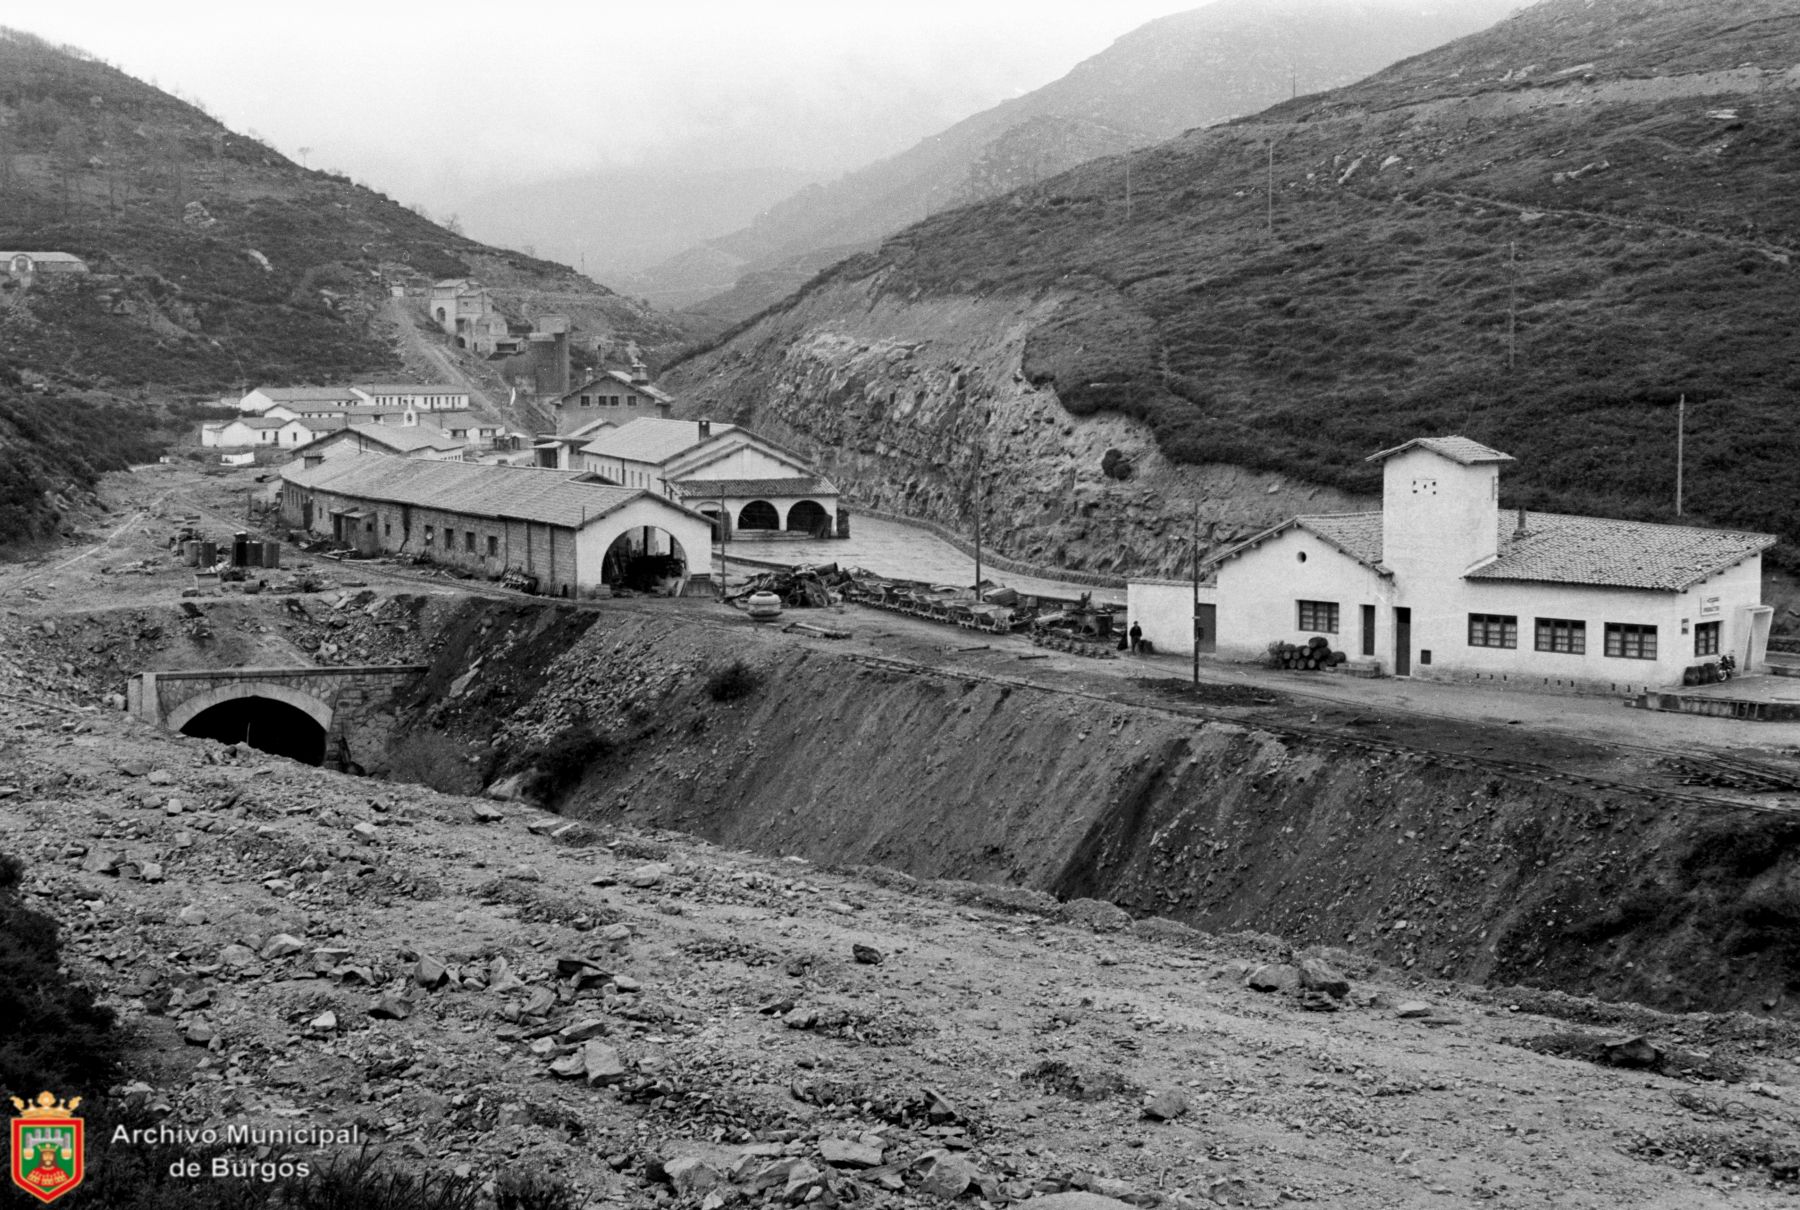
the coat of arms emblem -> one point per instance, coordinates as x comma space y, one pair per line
49, 1145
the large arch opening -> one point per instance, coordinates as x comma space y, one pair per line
759, 514
263, 723
645, 559
809, 517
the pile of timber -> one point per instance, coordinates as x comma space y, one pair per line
1311, 656
803, 586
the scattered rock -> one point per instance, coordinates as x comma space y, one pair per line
602, 1064
390, 1008
868, 955
1318, 976
692, 1176
160, 777
325, 1022
199, 1034
943, 1174
237, 955
192, 914
281, 945
1074, 1201
1166, 1106
647, 876
1634, 1051
485, 814
850, 1153
430, 974
1275, 977
1412, 1009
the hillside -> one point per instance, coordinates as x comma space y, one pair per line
215, 259
1191, 69
1544, 236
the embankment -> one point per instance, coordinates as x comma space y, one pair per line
1461, 871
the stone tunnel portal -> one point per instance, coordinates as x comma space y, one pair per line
263, 723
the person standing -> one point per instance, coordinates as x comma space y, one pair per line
1137, 634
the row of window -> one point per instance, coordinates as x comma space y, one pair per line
493, 543
608, 401
1566, 636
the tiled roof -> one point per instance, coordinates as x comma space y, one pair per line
1457, 449
800, 485
318, 424
403, 439
1560, 549
1556, 548
518, 492
262, 422
615, 378
651, 439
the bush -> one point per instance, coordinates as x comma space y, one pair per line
55, 1037
736, 680
438, 760
559, 764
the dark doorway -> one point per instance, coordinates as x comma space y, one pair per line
810, 517
1368, 630
759, 514
1206, 627
265, 724
1402, 642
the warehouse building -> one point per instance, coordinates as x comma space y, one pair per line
566, 532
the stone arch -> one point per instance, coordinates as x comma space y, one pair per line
759, 514
306, 703
808, 517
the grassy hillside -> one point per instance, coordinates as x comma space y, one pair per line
217, 261
1542, 236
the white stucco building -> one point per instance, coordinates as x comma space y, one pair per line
1443, 583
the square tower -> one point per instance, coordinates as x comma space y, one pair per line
1440, 506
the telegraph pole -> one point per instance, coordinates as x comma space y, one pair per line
978, 524
722, 524
1512, 307
1194, 622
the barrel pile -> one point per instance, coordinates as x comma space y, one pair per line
1310, 656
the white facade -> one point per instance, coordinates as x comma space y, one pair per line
1441, 584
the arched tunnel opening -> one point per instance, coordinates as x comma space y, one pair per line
264, 724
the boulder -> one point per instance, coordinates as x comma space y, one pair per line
850, 1153
601, 1063
1319, 976
430, 974
1274, 977
692, 1176
1166, 1105
281, 945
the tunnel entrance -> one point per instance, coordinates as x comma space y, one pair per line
264, 724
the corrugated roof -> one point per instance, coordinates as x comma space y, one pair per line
1457, 449
1560, 549
523, 493
802, 485
651, 439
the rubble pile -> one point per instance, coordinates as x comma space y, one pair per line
803, 586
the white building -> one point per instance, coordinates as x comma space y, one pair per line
1442, 583
298, 401
424, 396
761, 486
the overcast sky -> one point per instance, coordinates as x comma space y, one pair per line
409, 97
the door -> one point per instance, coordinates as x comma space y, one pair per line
1402, 642
1368, 630
1206, 632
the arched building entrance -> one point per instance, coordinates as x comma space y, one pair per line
809, 517
645, 559
759, 514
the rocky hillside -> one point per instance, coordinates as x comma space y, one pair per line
1191, 69
215, 259
1544, 235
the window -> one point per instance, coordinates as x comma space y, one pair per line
1628, 641
587, 401
1706, 638
493, 546
387, 529
1320, 616
469, 540
430, 532
1562, 635
1493, 630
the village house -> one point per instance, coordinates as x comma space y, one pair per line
616, 395
466, 313
419, 396
573, 535
284, 432
1444, 584
719, 469
298, 401
562, 451
419, 441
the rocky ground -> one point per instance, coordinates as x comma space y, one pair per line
483, 988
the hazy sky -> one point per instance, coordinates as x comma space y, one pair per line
417, 96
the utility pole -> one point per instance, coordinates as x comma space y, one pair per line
1128, 185
1194, 622
1680, 448
723, 522
978, 524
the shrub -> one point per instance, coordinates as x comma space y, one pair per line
532, 1191
736, 680
559, 764
56, 1037
438, 760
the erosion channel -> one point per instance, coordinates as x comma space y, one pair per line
1452, 867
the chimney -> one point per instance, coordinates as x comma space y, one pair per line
1520, 531
705, 429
